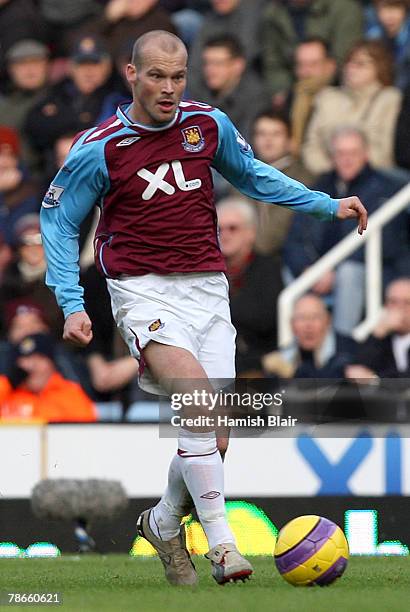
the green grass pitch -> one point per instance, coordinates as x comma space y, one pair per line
119, 583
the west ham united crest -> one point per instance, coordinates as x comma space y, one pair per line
193, 139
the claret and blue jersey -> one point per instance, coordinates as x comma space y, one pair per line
154, 188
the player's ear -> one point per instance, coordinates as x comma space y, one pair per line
131, 73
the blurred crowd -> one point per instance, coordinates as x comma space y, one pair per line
320, 88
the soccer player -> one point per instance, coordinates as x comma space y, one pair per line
149, 170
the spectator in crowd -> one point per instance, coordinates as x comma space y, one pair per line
19, 19
125, 20
389, 21
402, 148
317, 351
386, 353
307, 241
229, 83
28, 68
34, 390
315, 69
64, 19
24, 317
77, 102
272, 144
187, 16
254, 284
110, 365
366, 99
287, 22
239, 18
5, 256
18, 192
24, 277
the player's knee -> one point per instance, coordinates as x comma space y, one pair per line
222, 444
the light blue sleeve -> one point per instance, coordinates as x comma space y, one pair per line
78, 186
234, 159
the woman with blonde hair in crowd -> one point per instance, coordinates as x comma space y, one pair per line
365, 99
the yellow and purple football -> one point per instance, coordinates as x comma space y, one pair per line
311, 550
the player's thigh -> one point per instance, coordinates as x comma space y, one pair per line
172, 362
217, 352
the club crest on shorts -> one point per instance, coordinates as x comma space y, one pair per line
193, 139
156, 325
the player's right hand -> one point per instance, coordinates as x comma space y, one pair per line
77, 328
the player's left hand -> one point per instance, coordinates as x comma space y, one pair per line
352, 208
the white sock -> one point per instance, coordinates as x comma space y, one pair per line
202, 469
165, 518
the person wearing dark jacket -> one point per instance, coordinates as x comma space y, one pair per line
308, 240
228, 82
402, 149
254, 284
76, 103
122, 22
386, 353
317, 351
19, 19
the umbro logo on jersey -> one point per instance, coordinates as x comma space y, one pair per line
128, 141
52, 197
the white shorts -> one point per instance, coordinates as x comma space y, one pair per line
190, 311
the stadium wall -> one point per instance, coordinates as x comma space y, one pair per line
310, 461
359, 478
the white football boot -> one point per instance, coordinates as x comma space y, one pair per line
228, 565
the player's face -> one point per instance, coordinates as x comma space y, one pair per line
270, 140
157, 86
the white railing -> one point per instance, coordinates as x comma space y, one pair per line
373, 261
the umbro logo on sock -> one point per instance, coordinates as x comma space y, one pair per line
210, 495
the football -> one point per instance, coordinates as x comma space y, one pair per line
311, 550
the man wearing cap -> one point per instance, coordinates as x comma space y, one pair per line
34, 390
75, 103
27, 63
